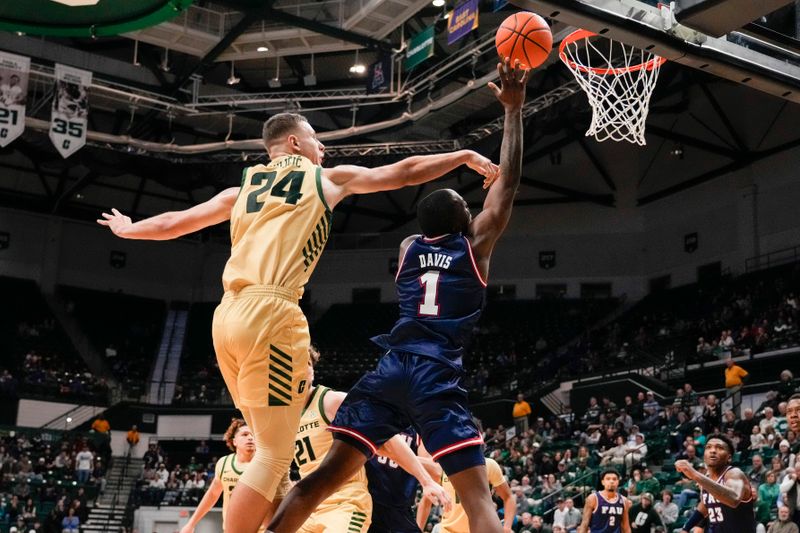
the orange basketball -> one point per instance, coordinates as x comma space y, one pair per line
524, 36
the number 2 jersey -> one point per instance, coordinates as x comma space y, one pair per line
607, 516
441, 295
724, 519
312, 442
279, 225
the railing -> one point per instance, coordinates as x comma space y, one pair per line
771, 259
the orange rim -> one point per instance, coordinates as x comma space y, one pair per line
585, 34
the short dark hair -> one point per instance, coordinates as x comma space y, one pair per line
794, 397
608, 471
440, 213
280, 125
728, 442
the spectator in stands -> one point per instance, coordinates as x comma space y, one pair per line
776, 466
786, 386
572, 517
643, 515
648, 483
70, 523
784, 522
703, 349
84, 463
769, 420
538, 525
745, 425
698, 440
768, 493
521, 412
690, 454
785, 454
616, 454
728, 421
651, 405
624, 419
757, 439
151, 457
667, 509
689, 395
636, 452
711, 414
757, 471
29, 511
735, 377
637, 411
101, 425
525, 523
8, 385
592, 415
132, 437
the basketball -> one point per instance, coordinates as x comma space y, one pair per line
524, 36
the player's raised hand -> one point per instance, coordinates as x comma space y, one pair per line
188, 528
513, 80
484, 167
434, 493
115, 221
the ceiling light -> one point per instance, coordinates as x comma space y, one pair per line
275, 82
438, 3
358, 68
76, 3
447, 15
165, 61
233, 80
262, 49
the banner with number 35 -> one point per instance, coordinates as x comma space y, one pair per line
70, 109
13, 91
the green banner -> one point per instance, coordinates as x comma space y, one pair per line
420, 48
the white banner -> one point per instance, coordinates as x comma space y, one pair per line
70, 109
13, 91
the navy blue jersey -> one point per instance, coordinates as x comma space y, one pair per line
724, 519
607, 516
390, 485
441, 296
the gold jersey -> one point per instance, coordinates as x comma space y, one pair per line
279, 225
313, 441
456, 520
228, 472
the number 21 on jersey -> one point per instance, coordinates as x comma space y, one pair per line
430, 284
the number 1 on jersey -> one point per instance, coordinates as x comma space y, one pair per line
430, 282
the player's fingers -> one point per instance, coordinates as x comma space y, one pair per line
102, 222
495, 89
107, 216
526, 76
114, 210
500, 69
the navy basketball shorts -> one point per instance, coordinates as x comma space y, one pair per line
387, 519
409, 389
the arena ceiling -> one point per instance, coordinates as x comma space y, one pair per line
167, 85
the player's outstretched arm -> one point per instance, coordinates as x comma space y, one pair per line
588, 509
509, 505
415, 170
173, 224
729, 492
209, 500
398, 451
487, 227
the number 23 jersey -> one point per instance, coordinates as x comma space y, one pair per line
279, 225
441, 295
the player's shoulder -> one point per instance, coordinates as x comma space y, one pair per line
223, 463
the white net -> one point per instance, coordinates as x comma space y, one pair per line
618, 79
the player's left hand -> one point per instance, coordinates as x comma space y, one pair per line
483, 166
116, 222
434, 493
685, 467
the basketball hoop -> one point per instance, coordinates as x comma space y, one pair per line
618, 79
